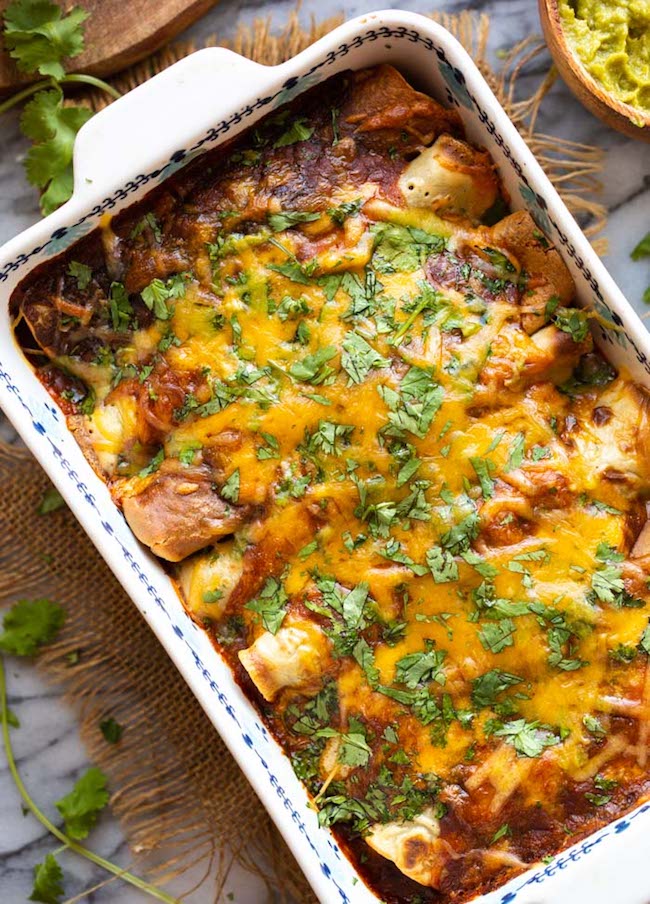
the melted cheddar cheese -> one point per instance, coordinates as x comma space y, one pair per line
406, 495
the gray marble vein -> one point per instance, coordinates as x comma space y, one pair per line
47, 744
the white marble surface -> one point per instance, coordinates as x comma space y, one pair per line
49, 752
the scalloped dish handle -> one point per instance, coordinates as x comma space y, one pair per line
115, 145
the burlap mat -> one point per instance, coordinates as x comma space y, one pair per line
177, 792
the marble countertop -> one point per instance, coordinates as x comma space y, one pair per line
50, 754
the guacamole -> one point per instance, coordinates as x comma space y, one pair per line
612, 40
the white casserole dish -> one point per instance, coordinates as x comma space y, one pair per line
121, 154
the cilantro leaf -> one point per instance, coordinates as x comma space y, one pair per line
458, 538
230, 489
313, 368
416, 404
297, 131
281, 221
420, 668
484, 468
364, 655
270, 450
528, 738
607, 583
516, 454
644, 643
496, 636
83, 804
623, 654
353, 749
39, 37
401, 248
82, 273
119, 307
642, 249
111, 730
271, 604
153, 465
52, 501
148, 222
48, 878
359, 358
393, 551
594, 726
347, 209
487, 687
158, 293
502, 832
485, 569
295, 271
354, 604
53, 128
29, 624
442, 564
572, 321
326, 437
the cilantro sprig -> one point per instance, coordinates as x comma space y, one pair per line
28, 625
40, 38
640, 251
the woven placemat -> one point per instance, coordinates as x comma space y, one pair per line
177, 792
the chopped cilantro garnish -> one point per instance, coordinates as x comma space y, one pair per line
364, 655
148, 222
81, 273
111, 730
421, 668
442, 564
415, 405
496, 636
154, 464
329, 437
314, 368
297, 131
487, 687
353, 748
504, 831
158, 293
644, 643
359, 358
347, 209
594, 726
230, 489
516, 455
401, 248
288, 218
528, 738
572, 321
270, 449
52, 501
271, 605
458, 538
642, 249
484, 469
295, 271
120, 307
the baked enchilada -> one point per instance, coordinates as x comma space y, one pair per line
348, 397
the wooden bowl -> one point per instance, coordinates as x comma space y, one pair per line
589, 92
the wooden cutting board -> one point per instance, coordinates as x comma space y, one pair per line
118, 33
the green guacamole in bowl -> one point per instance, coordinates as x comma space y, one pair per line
612, 40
